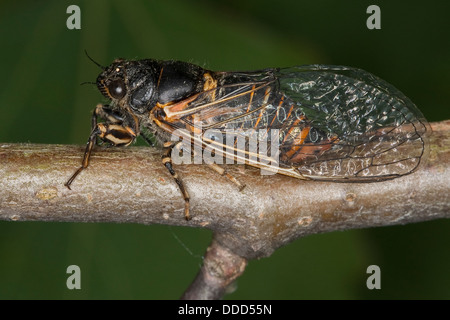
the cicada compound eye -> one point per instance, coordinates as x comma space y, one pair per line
117, 89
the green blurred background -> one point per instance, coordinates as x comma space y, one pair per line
41, 101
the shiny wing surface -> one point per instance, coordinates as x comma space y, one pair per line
379, 133
334, 123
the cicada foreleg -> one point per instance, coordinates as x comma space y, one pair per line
103, 111
167, 161
111, 132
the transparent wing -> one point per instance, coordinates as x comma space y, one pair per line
333, 123
379, 133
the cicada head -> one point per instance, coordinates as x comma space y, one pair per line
112, 81
129, 84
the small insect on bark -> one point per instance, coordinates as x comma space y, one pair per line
321, 122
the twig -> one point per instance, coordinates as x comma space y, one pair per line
220, 268
131, 185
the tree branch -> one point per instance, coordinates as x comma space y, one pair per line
220, 268
131, 185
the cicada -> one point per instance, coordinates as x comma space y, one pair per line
319, 122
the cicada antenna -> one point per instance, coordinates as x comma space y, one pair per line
98, 64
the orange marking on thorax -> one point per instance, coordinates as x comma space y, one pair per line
171, 108
210, 83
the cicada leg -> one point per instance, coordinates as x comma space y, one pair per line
220, 170
116, 134
103, 111
167, 161
223, 172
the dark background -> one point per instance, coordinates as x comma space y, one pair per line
41, 101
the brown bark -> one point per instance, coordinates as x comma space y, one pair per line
131, 185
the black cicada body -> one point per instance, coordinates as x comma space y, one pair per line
315, 122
